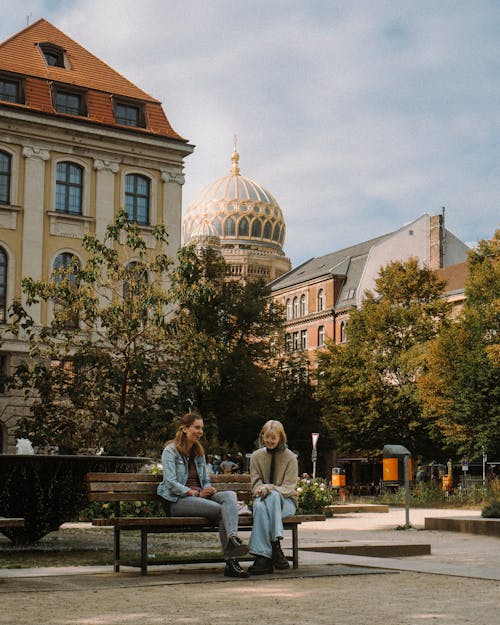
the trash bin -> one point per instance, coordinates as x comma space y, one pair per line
338, 478
393, 465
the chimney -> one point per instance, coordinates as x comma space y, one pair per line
436, 235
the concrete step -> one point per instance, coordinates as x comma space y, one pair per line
372, 550
346, 508
469, 525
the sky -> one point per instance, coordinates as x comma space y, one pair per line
358, 116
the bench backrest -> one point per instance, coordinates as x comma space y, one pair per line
108, 487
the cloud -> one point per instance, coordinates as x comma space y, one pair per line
358, 117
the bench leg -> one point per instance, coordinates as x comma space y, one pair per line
295, 546
117, 548
144, 551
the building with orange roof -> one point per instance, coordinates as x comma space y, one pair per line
78, 141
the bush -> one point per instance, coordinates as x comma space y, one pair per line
314, 496
492, 510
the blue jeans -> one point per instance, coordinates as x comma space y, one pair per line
268, 515
221, 507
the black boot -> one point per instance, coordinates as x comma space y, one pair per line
278, 559
233, 569
235, 547
261, 566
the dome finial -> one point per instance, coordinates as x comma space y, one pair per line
235, 157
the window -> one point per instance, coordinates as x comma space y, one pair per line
303, 339
69, 187
10, 90
62, 265
343, 335
321, 300
137, 198
276, 232
53, 55
229, 227
129, 115
350, 294
295, 307
295, 341
303, 306
257, 228
218, 227
69, 102
243, 227
288, 343
267, 230
321, 336
5, 172
288, 309
3, 285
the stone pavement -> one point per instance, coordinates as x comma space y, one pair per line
452, 553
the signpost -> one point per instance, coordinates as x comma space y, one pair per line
314, 455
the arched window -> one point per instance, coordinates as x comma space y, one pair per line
321, 300
137, 196
267, 230
218, 226
62, 264
343, 334
229, 227
276, 232
321, 336
295, 307
303, 305
5, 174
288, 309
3, 285
243, 227
257, 228
69, 187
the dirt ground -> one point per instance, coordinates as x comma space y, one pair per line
378, 599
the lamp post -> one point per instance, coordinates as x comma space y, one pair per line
314, 455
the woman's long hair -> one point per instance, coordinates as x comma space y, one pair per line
180, 439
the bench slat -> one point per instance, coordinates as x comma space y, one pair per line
123, 477
121, 487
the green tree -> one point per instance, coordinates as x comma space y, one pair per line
225, 331
101, 370
368, 387
461, 389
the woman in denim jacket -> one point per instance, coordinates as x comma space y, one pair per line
187, 489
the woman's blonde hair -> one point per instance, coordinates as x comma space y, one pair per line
180, 440
273, 426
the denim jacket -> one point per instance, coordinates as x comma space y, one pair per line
175, 473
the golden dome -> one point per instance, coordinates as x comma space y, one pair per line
240, 211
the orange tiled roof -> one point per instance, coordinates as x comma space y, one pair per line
20, 54
455, 276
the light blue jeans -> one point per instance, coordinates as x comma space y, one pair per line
221, 507
268, 515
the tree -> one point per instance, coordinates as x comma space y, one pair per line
101, 370
368, 387
224, 332
461, 389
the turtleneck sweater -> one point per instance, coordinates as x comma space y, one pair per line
285, 471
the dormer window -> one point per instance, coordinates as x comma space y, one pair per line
53, 55
69, 102
129, 114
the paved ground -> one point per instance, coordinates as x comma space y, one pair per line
457, 584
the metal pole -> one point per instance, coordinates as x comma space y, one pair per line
314, 457
407, 491
485, 458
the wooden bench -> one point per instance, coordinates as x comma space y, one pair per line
118, 487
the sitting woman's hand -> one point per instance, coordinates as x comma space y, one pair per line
208, 491
262, 491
